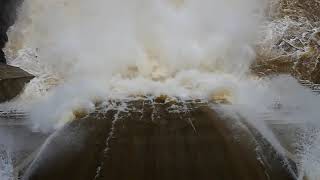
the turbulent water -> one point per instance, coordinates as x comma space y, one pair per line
6, 166
83, 52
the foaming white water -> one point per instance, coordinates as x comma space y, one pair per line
87, 51
101, 48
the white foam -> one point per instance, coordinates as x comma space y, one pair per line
81, 50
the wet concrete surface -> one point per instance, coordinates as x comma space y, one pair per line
12, 81
153, 140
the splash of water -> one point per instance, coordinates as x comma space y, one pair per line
99, 49
88, 51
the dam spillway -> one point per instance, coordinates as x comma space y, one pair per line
252, 122
145, 139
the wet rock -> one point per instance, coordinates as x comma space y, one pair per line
159, 140
299, 8
315, 75
12, 81
295, 45
278, 65
305, 67
301, 62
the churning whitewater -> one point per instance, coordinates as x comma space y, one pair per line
83, 52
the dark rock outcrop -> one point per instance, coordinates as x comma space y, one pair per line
12, 81
7, 17
160, 140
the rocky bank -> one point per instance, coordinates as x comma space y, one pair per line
295, 45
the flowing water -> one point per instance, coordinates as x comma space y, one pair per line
83, 52
6, 168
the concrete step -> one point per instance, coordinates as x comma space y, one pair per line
12, 81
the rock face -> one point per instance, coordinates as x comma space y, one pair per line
7, 17
160, 140
300, 8
12, 81
295, 48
